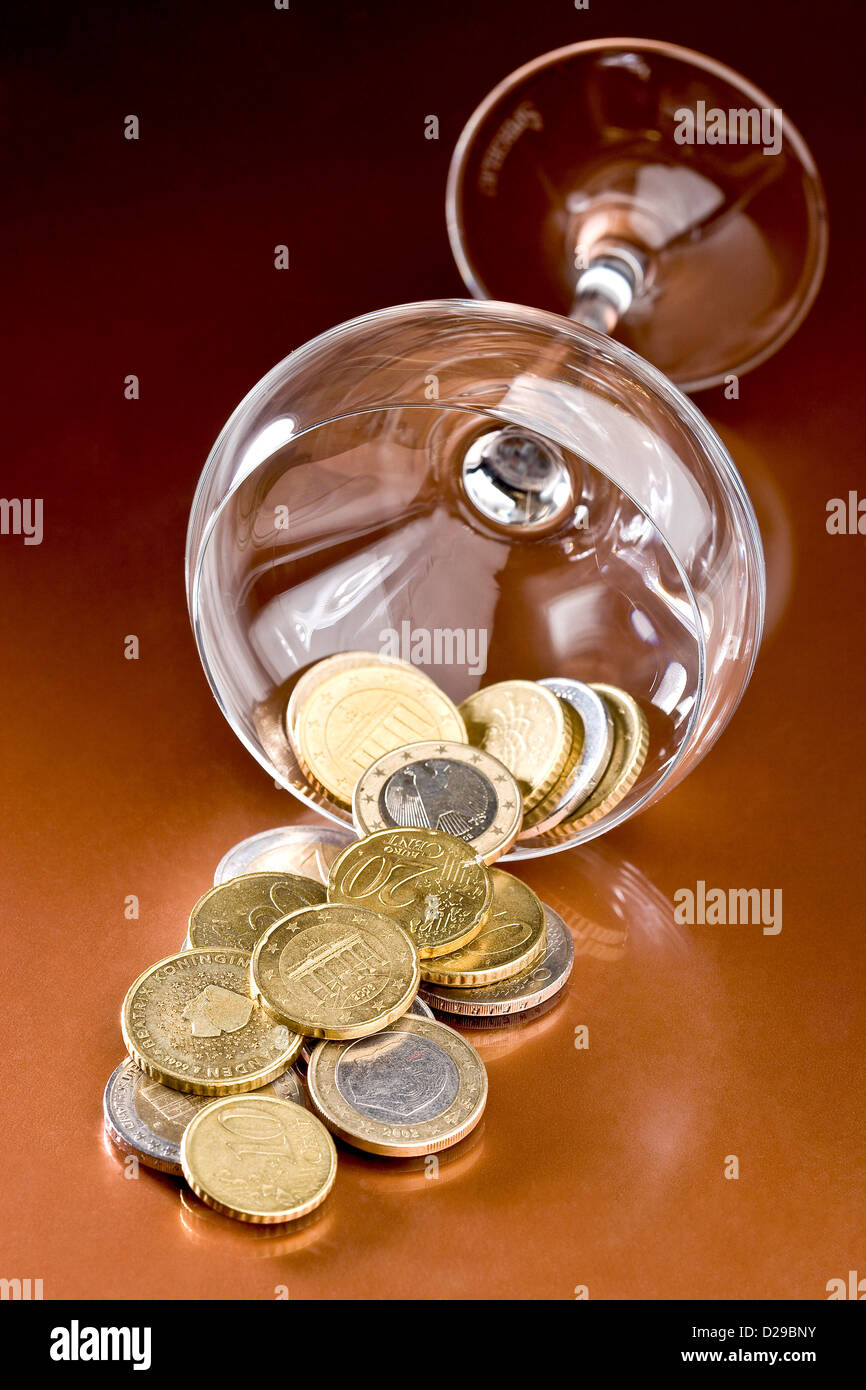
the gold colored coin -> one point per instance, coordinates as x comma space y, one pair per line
435, 886
258, 1158
190, 1022
511, 943
524, 726
335, 971
414, 1088
442, 786
355, 716
238, 912
333, 666
630, 748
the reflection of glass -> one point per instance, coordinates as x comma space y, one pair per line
610, 907
360, 529
648, 191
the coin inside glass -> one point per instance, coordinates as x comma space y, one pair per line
447, 786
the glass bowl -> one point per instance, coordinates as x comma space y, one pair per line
491, 492
649, 191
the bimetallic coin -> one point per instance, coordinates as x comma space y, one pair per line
238, 912
354, 717
308, 850
594, 727
336, 665
520, 992
258, 1159
510, 943
437, 887
442, 786
630, 748
413, 1089
189, 1021
335, 971
525, 727
145, 1118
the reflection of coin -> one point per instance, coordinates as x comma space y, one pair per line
258, 1158
189, 1021
594, 738
308, 850
237, 913
355, 716
442, 786
335, 971
525, 727
630, 747
333, 666
412, 1089
435, 886
521, 992
510, 942
148, 1119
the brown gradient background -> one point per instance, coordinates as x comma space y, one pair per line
601, 1167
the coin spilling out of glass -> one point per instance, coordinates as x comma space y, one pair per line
349, 952
378, 736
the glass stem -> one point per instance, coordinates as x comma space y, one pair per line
605, 290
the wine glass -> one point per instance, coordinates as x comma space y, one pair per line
648, 191
492, 491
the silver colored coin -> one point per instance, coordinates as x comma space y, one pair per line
597, 722
414, 1088
308, 850
516, 995
147, 1119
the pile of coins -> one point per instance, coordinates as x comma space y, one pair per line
534, 761
316, 947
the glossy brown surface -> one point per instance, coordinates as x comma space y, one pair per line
601, 1166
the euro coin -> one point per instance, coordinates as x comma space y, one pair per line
518, 994
510, 943
436, 887
526, 728
355, 716
335, 971
630, 747
442, 786
593, 724
145, 1118
306, 850
190, 1022
417, 1008
413, 1089
237, 913
336, 665
258, 1159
